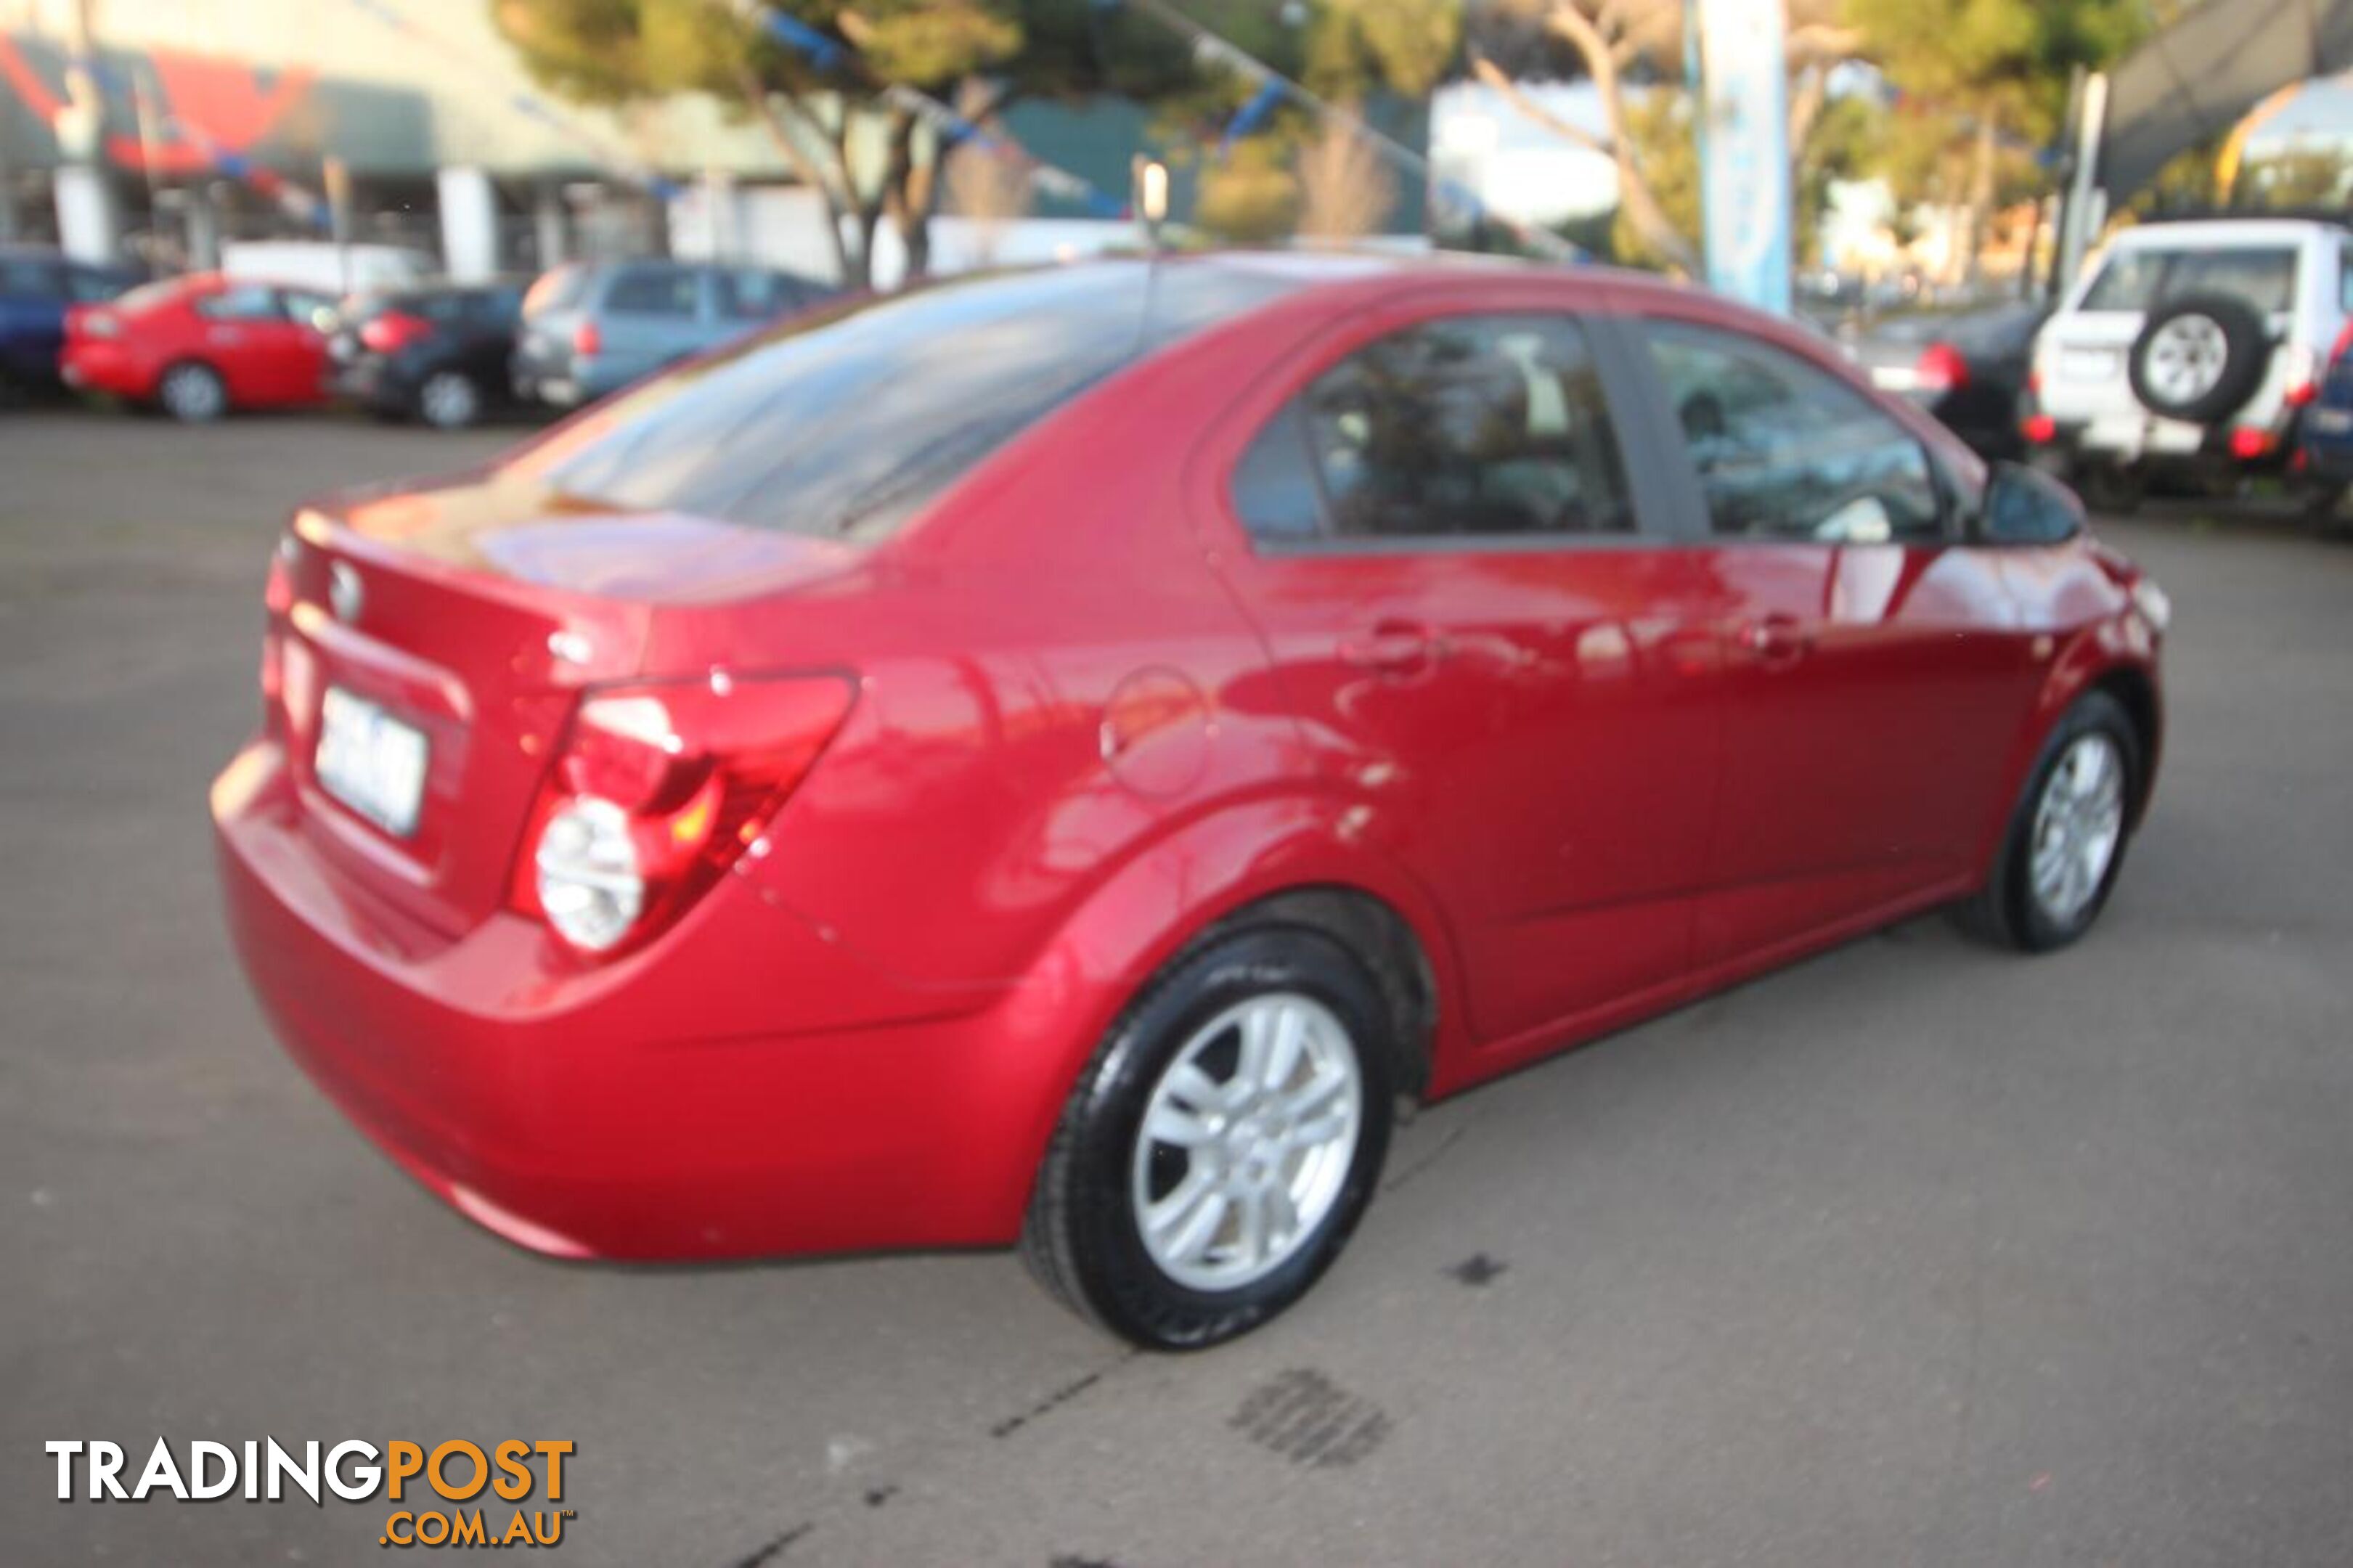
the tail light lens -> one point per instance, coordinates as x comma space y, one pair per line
657, 790
2303, 377
586, 340
1941, 368
2040, 428
394, 330
2247, 443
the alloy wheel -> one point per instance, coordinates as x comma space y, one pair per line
1246, 1142
2078, 824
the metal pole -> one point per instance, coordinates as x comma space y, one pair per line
2076, 231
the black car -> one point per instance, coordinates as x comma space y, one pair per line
1967, 368
438, 353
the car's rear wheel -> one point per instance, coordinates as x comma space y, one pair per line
1221, 1144
2065, 843
192, 393
448, 400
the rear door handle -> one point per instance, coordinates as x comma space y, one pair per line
1775, 639
1393, 648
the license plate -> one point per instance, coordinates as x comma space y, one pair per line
370, 760
2331, 421
2087, 364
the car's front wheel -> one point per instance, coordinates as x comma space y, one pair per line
2065, 842
1221, 1144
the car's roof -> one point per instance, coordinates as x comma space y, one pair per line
2198, 233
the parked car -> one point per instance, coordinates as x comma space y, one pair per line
1054, 756
202, 345
1966, 368
2189, 349
589, 329
37, 288
438, 354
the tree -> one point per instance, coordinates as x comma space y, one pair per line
1345, 190
989, 189
828, 108
1617, 45
1993, 74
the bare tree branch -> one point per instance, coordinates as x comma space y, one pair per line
1516, 96
757, 94
1634, 193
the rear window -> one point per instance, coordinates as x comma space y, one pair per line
2145, 276
558, 290
842, 424
22, 278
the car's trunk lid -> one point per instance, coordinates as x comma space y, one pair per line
463, 620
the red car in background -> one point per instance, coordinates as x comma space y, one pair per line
202, 345
1053, 757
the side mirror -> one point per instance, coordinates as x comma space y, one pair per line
2027, 506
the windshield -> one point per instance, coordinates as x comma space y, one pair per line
842, 424
2145, 276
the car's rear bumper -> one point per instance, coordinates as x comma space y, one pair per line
740, 1087
101, 364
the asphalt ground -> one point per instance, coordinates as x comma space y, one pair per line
1916, 1253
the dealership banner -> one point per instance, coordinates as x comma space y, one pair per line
1743, 120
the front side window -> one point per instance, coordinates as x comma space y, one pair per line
1785, 450
1462, 426
755, 294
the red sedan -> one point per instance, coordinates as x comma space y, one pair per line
201, 345
1055, 757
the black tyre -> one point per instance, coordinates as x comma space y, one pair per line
2110, 487
192, 392
2058, 858
1221, 1144
2200, 358
449, 400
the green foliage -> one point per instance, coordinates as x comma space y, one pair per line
1659, 125
1251, 196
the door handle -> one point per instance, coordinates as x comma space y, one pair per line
1394, 648
1776, 641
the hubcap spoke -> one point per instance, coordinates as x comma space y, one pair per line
2077, 824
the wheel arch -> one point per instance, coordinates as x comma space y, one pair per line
2134, 691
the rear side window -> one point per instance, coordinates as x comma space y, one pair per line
2145, 276
654, 291
1785, 450
842, 423
1464, 427
754, 294
242, 302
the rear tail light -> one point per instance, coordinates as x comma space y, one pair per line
587, 340
657, 790
2303, 377
2040, 428
1941, 368
2248, 444
393, 332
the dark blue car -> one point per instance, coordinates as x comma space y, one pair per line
2327, 431
36, 287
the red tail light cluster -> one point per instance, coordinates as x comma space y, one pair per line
586, 340
658, 789
394, 330
1941, 368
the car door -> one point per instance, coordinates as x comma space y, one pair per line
1512, 679
1875, 669
242, 332
32, 315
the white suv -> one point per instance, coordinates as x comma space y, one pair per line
2191, 346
